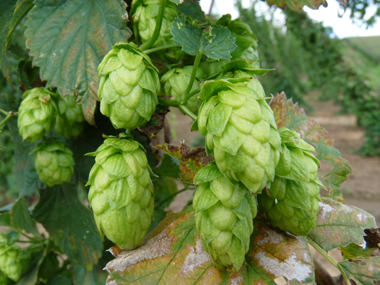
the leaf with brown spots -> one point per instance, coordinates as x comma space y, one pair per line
273, 254
339, 225
68, 39
190, 159
291, 116
364, 271
173, 251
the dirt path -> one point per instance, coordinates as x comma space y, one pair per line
362, 188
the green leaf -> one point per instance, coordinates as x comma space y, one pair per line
22, 8
21, 219
214, 41
291, 116
173, 251
353, 251
164, 188
96, 276
364, 271
339, 225
59, 280
27, 178
5, 219
7, 8
70, 224
28, 74
190, 160
11, 15
297, 5
192, 9
68, 39
168, 167
29, 277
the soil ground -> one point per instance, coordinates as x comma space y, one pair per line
361, 189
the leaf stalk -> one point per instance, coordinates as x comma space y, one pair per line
186, 110
323, 253
152, 50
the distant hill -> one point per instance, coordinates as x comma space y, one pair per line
369, 46
363, 53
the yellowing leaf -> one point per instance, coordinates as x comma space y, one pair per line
339, 225
173, 252
190, 160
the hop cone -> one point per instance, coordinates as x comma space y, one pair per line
70, 118
54, 162
292, 201
176, 81
145, 18
224, 217
121, 193
10, 261
36, 115
240, 131
128, 88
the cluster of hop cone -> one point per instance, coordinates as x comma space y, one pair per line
255, 164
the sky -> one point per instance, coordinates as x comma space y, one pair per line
342, 26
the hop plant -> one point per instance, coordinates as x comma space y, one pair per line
292, 201
145, 20
240, 131
224, 216
36, 115
54, 162
129, 85
176, 81
121, 193
70, 118
10, 261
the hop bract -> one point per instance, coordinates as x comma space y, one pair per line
240, 131
121, 193
128, 88
224, 217
54, 162
36, 115
292, 201
176, 81
70, 118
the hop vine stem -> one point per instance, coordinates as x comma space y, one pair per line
157, 29
9, 115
